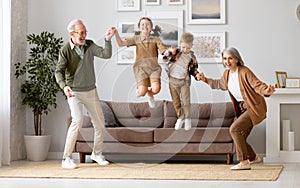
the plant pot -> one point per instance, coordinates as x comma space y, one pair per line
37, 147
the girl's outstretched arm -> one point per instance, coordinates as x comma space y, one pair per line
119, 40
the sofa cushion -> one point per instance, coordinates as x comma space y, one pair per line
86, 121
119, 134
127, 134
134, 114
109, 117
203, 114
197, 135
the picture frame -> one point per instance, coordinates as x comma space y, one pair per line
152, 2
280, 79
127, 29
206, 12
175, 2
171, 24
128, 5
126, 55
208, 46
292, 82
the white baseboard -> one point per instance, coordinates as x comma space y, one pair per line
55, 155
59, 155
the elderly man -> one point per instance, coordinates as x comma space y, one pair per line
75, 75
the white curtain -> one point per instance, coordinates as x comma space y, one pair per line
5, 30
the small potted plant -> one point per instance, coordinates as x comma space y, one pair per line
39, 88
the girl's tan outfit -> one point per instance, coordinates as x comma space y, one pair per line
146, 68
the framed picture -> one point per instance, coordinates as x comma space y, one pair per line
152, 2
208, 46
292, 82
128, 5
280, 79
206, 12
127, 29
175, 2
168, 26
126, 55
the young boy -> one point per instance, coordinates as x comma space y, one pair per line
146, 69
181, 64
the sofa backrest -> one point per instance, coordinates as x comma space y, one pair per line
138, 114
202, 114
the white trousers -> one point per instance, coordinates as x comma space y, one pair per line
91, 102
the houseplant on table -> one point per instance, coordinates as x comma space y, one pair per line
39, 88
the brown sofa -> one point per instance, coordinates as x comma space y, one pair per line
136, 129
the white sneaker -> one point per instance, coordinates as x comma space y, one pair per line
178, 124
68, 163
187, 124
99, 159
151, 102
241, 166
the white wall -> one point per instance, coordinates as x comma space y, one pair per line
266, 33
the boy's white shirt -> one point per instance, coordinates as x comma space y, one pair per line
179, 68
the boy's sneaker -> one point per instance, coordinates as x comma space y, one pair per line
68, 163
151, 101
178, 124
187, 124
99, 159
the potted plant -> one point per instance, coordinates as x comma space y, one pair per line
39, 88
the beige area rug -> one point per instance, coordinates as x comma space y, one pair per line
145, 171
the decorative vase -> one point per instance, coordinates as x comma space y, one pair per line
37, 147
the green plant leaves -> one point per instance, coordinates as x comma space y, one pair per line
40, 87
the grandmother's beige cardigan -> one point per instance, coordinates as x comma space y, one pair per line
252, 90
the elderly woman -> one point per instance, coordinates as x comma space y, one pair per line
247, 94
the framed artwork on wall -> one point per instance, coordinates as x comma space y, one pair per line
152, 2
127, 29
175, 2
208, 46
206, 12
126, 55
128, 5
168, 25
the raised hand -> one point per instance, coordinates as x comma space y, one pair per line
270, 90
110, 33
201, 76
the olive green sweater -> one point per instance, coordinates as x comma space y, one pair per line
77, 73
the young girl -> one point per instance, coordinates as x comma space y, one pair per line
181, 64
146, 69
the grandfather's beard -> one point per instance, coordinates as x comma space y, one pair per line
80, 42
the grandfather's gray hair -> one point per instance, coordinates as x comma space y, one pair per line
71, 25
235, 53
